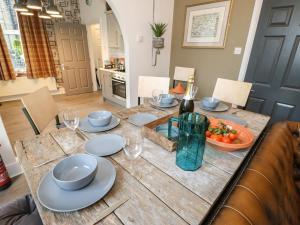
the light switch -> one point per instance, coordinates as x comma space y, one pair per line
237, 51
139, 38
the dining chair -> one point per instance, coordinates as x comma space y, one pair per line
40, 109
234, 92
182, 74
148, 83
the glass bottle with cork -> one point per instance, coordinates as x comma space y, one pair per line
187, 103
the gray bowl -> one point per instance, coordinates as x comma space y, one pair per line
210, 102
167, 99
75, 172
100, 118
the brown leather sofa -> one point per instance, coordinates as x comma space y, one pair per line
268, 191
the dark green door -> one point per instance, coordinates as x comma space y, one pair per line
274, 66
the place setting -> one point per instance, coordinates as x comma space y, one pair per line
161, 101
98, 121
76, 182
218, 108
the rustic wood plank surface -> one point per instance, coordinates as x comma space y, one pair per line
159, 191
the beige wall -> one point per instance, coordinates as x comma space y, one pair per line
211, 63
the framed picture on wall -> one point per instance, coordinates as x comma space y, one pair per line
206, 24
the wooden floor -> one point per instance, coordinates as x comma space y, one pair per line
18, 127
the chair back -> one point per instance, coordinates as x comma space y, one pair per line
183, 73
148, 83
41, 108
234, 92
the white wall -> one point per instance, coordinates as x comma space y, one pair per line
11, 89
91, 14
7, 153
134, 17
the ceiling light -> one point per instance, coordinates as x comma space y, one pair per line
29, 13
52, 8
20, 6
43, 15
34, 4
56, 16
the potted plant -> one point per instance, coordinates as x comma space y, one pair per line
158, 30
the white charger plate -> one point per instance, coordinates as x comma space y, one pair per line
105, 144
56, 199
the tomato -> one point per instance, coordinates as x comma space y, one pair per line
216, 137
226, 140
232, 136
208, 133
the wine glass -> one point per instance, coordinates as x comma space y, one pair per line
156, 95
133, 148
133, 145
194, 91
71, 119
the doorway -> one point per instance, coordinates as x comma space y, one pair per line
74, 57
274, 65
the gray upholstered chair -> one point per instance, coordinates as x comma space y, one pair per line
22, 211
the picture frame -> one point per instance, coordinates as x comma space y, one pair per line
206, 24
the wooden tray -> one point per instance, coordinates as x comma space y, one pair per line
149, 132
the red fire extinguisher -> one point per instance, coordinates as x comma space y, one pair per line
5, 180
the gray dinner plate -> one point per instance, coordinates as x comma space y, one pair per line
222, 107
85, 125
175, 103
105, 144
56, 199
140, 119
232, 118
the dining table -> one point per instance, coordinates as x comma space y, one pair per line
159, 192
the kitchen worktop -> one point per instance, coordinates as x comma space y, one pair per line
111, 70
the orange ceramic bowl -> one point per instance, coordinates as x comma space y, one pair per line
245, 137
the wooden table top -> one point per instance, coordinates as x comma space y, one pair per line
159, 191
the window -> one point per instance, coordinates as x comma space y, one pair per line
9, 24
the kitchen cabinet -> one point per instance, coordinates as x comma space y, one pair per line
107, 85
107, 90
113, 31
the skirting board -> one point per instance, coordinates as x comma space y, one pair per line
14, 169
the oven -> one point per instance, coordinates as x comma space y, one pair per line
119, 86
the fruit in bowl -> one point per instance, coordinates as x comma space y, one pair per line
226, 135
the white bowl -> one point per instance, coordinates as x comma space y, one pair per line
100, 118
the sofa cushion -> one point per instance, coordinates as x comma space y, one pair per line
268, 191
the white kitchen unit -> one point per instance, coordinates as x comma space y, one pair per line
114, 34
113, 86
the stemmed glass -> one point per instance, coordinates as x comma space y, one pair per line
133, 145
156, 95
133, 148
71, 119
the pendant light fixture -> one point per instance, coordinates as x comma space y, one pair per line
43, 15
19, 6
34, 4
28, 13
52, 8
56, 16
